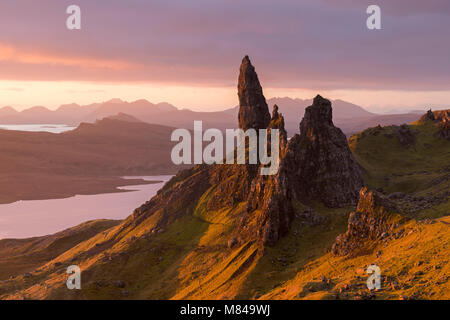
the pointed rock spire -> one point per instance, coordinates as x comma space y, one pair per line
253, 110
317, 116
277, 122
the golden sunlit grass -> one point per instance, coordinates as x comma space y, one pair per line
416, 265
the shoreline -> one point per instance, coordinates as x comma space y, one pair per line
15, 188
35, 218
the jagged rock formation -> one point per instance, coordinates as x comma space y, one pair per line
442, 119
375, 218
319, 163
253, 110
268, 212
438, 116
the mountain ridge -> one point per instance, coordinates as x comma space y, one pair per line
349, 117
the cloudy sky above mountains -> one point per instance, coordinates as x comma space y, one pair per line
188, 52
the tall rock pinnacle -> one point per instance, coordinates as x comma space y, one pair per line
253, 110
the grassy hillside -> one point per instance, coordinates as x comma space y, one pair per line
421, 169
413, 266
24, 255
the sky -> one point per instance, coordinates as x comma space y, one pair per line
188, 52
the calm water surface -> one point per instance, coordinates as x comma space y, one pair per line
54, 128
24, 219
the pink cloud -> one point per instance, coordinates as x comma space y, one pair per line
294, 44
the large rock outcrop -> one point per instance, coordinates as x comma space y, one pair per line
375, 218
253, 110
438, 116
319, 162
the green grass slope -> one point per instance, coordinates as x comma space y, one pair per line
420, 170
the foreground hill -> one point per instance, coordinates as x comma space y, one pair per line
87, 160
226, 232
410, 161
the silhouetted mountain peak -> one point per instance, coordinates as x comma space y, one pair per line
165, 106
8, 111
114, 101
36, 110
124, 117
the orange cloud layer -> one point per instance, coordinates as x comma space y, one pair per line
10, 53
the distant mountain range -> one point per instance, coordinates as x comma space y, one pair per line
349, 117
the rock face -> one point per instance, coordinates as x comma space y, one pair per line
374, 218
253, 110
319, 162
